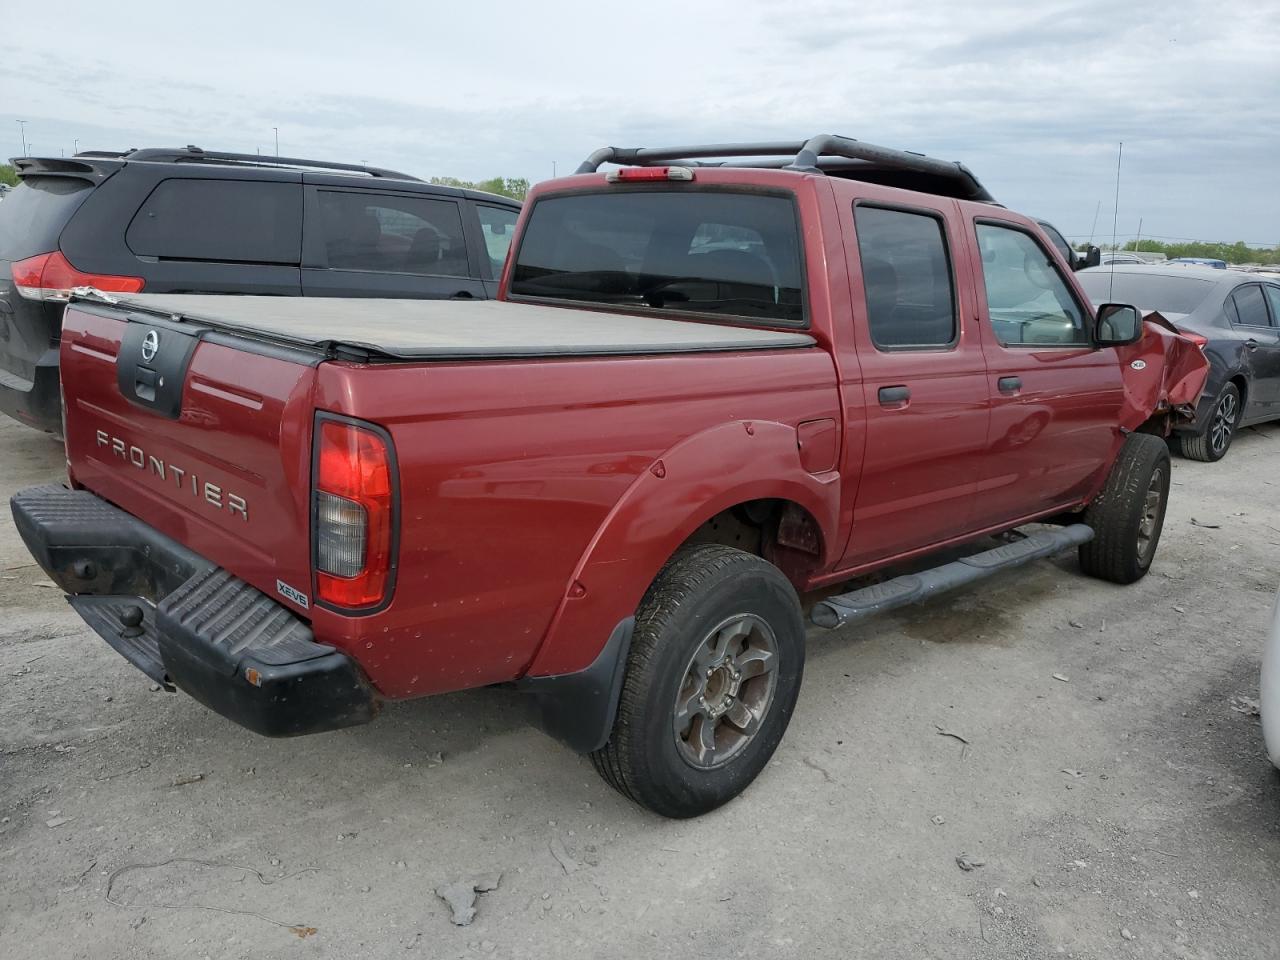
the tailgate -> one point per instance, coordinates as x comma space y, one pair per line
204, 436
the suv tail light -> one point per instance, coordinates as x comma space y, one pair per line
50, 276
354, 506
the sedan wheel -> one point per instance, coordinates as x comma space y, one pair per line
1224, 423
1214, 439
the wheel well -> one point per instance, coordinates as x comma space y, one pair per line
1243, 386
780, 531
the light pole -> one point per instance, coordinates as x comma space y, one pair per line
277, 132
22, 125
75, 147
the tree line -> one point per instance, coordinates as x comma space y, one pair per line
514, 187
1237, 252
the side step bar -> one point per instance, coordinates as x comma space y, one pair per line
845, 608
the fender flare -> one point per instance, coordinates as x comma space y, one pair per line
688, 484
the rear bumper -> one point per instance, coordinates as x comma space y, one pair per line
34, 402
187, 623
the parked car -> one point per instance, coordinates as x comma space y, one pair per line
1109, 258
1201, 262
1235, 317
705, 390
196, 221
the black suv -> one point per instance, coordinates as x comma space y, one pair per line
194, 221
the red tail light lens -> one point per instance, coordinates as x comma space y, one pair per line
1195, 338
50, 276
354, 503
633, 174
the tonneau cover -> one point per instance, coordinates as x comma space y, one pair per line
456, 329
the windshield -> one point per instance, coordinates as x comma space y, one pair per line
1148, 291
724, 253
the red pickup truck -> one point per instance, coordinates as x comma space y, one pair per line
709, 387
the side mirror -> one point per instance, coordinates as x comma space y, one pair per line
1092, 256
1118, 324
498, 229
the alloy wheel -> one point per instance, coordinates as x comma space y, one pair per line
1223, 424
727, 690
1149, 525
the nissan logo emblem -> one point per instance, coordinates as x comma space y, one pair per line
150, 344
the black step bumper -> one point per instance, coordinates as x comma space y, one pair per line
187, 623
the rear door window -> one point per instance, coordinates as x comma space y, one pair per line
385, 233
687, 251
1251, 308
35, 211
231, 221
497, 226
1028, 301
906, 275
1273, 298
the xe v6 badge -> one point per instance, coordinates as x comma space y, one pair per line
150, 346
1139, 364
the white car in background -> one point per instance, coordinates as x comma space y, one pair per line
1269, 697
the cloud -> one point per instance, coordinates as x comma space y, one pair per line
1033, 98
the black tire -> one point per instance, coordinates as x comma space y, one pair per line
1126, 521
1212, 443
700, 590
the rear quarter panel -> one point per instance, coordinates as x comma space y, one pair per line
508, 473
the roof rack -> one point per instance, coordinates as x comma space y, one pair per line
825, 153
194, 154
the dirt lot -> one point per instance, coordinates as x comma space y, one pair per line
1113, 788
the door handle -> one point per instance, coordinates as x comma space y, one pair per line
1251, 343
894, 396
463, 295
1009, 384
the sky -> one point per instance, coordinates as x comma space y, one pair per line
1034, 97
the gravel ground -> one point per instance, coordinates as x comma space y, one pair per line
1113, 788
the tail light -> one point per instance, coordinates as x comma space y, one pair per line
354, 496
1195, 338
634, 174
50, 276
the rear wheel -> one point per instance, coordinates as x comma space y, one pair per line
1128, 516
712, 679
1212, 442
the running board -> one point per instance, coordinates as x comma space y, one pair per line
845, 608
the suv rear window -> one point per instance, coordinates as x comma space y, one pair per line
234, 221
35, 211
716, 252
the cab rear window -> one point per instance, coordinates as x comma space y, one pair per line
711, 252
